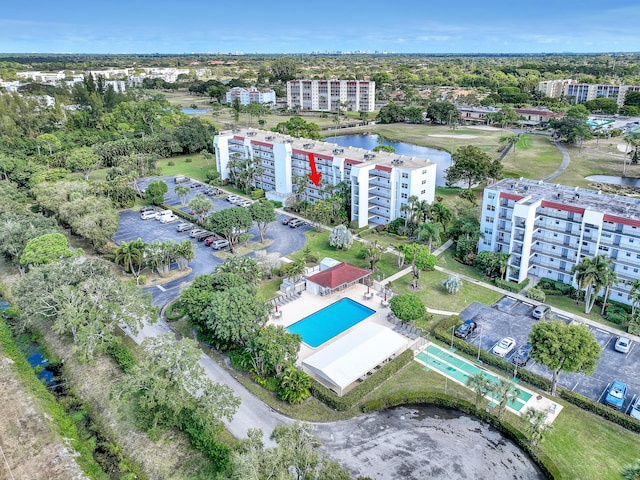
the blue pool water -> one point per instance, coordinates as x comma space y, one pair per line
331, 321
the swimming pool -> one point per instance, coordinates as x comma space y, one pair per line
331, 321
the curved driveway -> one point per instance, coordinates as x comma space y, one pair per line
563, 165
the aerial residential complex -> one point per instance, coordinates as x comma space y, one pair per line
251, 95
380, 182
583, 92
549, 228
351, 95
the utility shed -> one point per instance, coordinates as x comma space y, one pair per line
354, 356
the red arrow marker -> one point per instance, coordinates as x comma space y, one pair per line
314, 176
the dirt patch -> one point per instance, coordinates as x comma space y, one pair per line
31, 446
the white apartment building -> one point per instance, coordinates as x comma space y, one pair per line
548, 228
381, 182
251, 95
44, 77
359, 95
583, 92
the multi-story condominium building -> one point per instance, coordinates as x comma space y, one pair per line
548, 228
583, 92
44, 77
355, 95
381, 182
251, 95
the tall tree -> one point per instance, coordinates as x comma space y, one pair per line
429, 232
200, 205
538, 425
230, 223
182, 192
155, 192
592, 274
131, 257
562, 347
83, 160
169, 380
263, 213
470, 164
372, 252
481, 386
504, 391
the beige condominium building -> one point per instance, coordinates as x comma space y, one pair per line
549, 228
332, 95
380, 182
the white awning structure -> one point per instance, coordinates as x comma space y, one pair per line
351, 357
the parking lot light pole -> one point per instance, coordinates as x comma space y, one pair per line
479, 344
453, 329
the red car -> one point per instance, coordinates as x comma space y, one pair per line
209, 240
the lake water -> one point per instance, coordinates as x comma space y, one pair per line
193, 111
624, 181
368, 142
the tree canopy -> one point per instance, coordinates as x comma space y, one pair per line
471, 165
562, 347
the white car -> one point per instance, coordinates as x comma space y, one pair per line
623, 344
504, 346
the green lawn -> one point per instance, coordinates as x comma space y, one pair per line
435, 296
194, 166
446, 260
318, 243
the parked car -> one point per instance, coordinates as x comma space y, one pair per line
287, 220
147, 208
196, 231
201, 236
466, 329
149, 214
541, 311
211, 238
635, 409
616, 395
219, 244
295, 223
168, 218
183, 227
522, 355
504, 347
245, 203
623, 344
232, 198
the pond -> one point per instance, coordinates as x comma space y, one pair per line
368, 142
194, 111
624, 181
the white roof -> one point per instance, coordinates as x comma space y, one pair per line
350, 357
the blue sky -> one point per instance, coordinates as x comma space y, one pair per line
285, 26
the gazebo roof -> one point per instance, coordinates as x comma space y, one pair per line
338, 275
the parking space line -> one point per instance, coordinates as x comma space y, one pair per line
603, 392
608, 342
630, 405
575, 386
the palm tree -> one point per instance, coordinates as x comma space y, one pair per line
131, 256
634, 296
631, 472
439, 213
503, 264
505, 391
609, 279
295, 385
182, 193
510, 140
481, 385
592, 274
184, 253
430, 232
537, 426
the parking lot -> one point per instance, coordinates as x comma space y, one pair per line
509, 317
281, 239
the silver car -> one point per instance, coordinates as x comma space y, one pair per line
183, 227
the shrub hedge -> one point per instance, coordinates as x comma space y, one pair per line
122, 356
601, 410
510, 286
351, 398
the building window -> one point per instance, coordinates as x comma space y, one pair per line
424, 182
424, 172
405, 175
422, 192
403, 195
405, 185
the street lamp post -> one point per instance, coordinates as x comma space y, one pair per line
479, 344
453, 328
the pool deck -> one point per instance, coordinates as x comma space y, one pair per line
308, 304
458, 369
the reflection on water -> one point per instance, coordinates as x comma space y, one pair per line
368, 142
624, 181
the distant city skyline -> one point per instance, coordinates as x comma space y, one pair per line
142, 26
